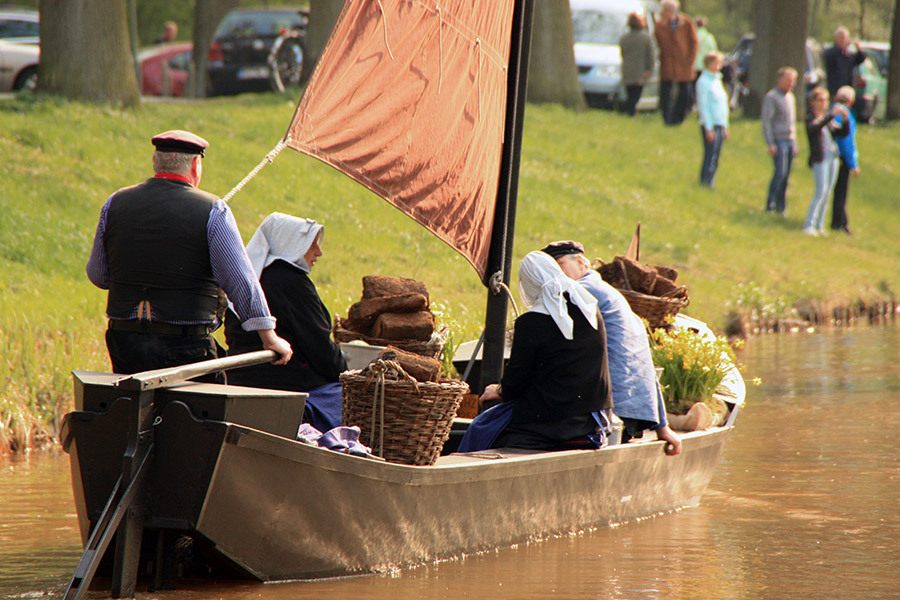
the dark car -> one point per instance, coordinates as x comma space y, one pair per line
255, 49
736, 70
165, 69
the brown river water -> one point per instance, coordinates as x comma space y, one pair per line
804, 504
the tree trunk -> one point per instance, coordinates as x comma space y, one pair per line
780, 27
552, 74
86, 53
323, 15
207, 15
892, 112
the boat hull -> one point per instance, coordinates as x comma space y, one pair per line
272, 508
307, 512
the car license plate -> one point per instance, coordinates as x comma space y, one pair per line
253, 73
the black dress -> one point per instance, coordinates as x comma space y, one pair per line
554, 383
303, 321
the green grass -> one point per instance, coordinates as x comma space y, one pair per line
587, 176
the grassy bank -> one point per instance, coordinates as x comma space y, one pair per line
588, 176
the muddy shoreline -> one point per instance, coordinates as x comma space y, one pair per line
815, 314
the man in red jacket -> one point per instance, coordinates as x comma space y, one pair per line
676, 37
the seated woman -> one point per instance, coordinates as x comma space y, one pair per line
637, 396
557, 379
282, 252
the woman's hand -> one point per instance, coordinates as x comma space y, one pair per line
491, 393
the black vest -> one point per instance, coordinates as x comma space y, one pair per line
157, 248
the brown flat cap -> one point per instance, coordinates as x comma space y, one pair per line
178, 140
557, 249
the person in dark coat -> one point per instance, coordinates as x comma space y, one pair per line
638, 58
556, 383
283, 251
840, 61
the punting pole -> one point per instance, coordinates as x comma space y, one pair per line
500, 255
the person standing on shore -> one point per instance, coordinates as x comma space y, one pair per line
849, 157
677, 41
779, 113
823, 156
164, 249
712, 106
706, 43
638, 58
840, 61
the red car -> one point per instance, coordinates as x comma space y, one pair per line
165, 69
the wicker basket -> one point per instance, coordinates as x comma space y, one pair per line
432, 348
412, 421
654, 308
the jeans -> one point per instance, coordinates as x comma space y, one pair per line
711, 152
824, 176
673, 114
784, 156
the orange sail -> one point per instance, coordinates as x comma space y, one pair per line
409, 99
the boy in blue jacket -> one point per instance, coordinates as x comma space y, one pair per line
849, 157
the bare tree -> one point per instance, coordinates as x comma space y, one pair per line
86, 52
892, 112
552, 74
323, 15
207, 14
780, 27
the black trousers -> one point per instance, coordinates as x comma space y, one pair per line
633, 96
673, 113
839, 200
134, 352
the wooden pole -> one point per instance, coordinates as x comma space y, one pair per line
500, 256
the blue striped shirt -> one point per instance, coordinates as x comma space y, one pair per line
230, 268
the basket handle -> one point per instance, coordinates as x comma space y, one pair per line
377, 369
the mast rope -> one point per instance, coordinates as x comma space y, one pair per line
496, 284
269, 158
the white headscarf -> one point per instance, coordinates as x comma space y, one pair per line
285, 237
541, 286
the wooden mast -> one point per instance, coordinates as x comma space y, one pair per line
500, 256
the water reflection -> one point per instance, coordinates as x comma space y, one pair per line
803, 505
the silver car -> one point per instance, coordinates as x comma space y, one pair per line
18, 66
597, 26
19, 24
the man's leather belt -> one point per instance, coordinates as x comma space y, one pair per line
139, 326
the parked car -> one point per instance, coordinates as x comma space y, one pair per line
165, 69
871, 91
736, 70
19, 24
18, 66
597, 26
241, 56
879, 52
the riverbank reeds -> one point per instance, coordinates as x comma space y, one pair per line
587, 176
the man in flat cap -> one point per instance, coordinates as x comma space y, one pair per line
165, 249
637, 397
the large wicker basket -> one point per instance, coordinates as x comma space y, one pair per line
412, 422
653, 308
432, 348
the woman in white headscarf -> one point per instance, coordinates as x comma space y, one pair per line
557, 379
282, 252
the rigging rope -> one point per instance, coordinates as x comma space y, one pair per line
270, 157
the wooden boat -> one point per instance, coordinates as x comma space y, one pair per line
272, 508
156, 458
